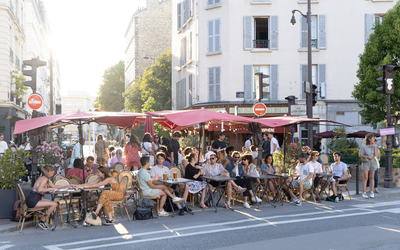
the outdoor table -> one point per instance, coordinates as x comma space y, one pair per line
64, 193
264, 185
177, 182
283, 177
220, 187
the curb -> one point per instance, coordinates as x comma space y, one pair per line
14, 228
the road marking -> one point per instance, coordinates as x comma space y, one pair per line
6, 247
207, 231
377, 204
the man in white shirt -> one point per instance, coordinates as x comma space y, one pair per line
274, 142
340, 175
23, 145
247, 143
76, 153
318, 169
3, 145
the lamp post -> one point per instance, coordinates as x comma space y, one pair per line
309, 69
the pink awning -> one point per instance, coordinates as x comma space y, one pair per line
281, 121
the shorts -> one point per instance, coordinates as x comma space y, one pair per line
340, 182
370, 165
33, 199
296, 183
154, 193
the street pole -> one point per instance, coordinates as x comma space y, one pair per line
309, 77
388, 180
51, 83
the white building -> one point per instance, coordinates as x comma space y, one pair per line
218, 46
23, 32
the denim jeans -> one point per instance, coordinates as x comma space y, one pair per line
375, 179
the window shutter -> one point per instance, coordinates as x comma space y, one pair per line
210, 2
190, 47
184, 14
184, 92
322, 80
187, 7
217, 84
184, 51
274, 80
179, 16
210, 84
304, 37
273, 32
190, 8
178, 95
369, 24
211, 36
190, 90
247, 32
321, 32
304, 77
217, 35
248, 92
216, 2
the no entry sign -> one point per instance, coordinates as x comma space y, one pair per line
259, 109
35, 101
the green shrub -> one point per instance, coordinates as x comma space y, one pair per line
11, 167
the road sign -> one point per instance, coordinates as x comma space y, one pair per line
239, 94
306, 87
387, 131
298, 110
35, 101
259, 109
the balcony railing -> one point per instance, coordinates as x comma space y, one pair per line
261, 44
314, 43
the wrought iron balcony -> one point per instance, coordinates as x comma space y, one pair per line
261, 44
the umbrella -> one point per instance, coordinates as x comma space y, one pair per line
326, 134
281, 121
361, 134
149, 125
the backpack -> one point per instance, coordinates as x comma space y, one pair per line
16, 214
143, 209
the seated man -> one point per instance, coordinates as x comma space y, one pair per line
318, 169
90, 166
306, 172
148, 188
340, 175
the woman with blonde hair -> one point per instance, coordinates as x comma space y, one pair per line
367, 153
101, 148
117, 158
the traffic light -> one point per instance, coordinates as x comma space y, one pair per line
387, 78
261, 87
396, 140
34, 63
314, 93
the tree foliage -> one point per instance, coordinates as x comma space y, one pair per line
382, 48
109, 97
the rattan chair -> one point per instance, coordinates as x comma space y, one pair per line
122, 203
58, 177
176, 170
154, 198
118, 167
311, 190
28, 212
92, 178
75, 180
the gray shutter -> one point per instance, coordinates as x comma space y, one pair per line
184, 92
322, 79
210, 84
187, 8
179, 16
177, 106
304, 77
273, 32
247, 33
274, 80
211, 36
321, 32
184, 50
304, 32
369, 24
184, 12
216, 2
248, 91
190, 90
191, 47
217, 35
210, 2
217, 84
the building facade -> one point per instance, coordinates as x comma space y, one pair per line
219, 45
24, 30
148, 35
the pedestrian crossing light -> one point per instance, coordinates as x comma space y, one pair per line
387, 78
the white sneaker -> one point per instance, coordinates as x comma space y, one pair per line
365, 195
337, 199
371, 195
177, 200
256, 199
163, 213
246, 205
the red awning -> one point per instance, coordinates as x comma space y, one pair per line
281, 121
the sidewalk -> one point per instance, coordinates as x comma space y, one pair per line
10, 226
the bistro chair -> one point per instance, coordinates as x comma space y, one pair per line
63, 203
75, 180
341, 186
122, 203
91, 178
311, 190
325, 159
58, 177
28, 212
176, 170
118, 167
154, 198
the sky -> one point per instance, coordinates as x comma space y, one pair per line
88, 36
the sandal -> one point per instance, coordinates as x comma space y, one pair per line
203, 206
109, 222
376, 191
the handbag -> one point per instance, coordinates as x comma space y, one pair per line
90, 221
143, 209
377, 162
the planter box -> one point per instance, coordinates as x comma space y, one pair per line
8, 201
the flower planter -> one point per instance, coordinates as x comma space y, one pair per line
7, 203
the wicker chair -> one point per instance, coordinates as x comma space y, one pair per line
154, 198
58, 177
75, 180
118, 167
311, 190
27, 212
122, 203
61, 203
92, 178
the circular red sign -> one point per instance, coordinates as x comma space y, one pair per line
35, 101
259, 109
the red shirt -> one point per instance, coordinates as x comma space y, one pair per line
78, 173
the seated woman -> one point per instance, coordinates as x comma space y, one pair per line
222, 158
118, 158
41, 186
186, 152
77, 170
195, 174
116, 194
268, 168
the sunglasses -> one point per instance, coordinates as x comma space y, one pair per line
236, 157
244, 159
212, 158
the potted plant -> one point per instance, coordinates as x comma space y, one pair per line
292, 155
11, 167
50, 153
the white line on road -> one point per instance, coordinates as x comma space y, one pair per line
6, 247
207, 231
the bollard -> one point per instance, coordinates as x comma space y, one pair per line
16, 189
357, 176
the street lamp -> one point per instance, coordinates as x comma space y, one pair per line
309, 69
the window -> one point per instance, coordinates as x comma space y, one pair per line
318, 77
318, 32
183, 52
272, 83
214, 84
212, 3
266, 85
260, 32
181, 94
379, 18
214, 36
179, 15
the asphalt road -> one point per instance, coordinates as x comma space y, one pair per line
351, 224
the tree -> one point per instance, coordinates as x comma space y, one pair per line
382, 48
109, 97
